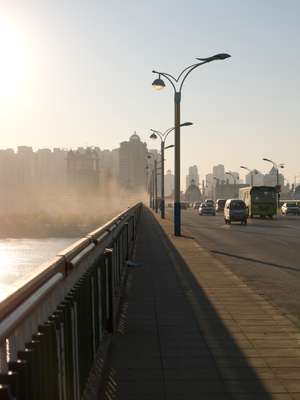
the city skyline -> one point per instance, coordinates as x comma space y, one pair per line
68, 81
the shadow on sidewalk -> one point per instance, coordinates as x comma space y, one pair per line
171, 343
223, 253
234, 367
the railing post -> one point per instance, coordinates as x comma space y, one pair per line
108, 254
10, 380
20, 368
5, 393
30, 388
56, 360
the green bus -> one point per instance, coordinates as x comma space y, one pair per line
261, 201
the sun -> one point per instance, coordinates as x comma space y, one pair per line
13, 61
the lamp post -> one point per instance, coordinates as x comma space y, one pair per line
295, 180
177, 84
214, 187
163, 137
276, 166
252, 173
234, 181
154, 173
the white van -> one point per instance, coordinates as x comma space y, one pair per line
235, 210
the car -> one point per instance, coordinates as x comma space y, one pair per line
207, 209
209, 202
220, 204
290, 208
235, 210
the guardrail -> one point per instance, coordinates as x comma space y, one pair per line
51, 329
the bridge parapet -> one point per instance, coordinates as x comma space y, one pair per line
51, 328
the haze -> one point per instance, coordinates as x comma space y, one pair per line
77, 73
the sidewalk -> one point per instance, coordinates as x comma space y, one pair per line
190, 329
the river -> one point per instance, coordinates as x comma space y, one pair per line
22, 258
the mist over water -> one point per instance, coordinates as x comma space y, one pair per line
61, 212
36, 224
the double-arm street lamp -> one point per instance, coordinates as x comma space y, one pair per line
163, 137
295, 180
153, 193
177, 84
234, 181
276, 166
252, 173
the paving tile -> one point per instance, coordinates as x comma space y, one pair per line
279, 352
195, 386
287, 373
271, 343
261, 396
276, 362
241, 362
186, 374
292, 385
247, 373
255, 386
188, 362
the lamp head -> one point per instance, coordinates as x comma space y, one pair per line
187, 124
169, 147
153, 136
158, 83
219, 56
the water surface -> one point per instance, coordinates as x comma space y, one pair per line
22, 258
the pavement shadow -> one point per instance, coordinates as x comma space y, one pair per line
234, 369
223, 253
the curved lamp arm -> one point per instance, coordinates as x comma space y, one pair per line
190, 69
168, 77
158, 133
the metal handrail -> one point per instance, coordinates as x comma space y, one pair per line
53, 327
57, 264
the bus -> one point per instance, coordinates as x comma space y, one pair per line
261, 201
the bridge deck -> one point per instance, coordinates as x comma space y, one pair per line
190, 329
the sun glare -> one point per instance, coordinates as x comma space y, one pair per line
12, 59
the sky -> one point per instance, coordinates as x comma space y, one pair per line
78, 73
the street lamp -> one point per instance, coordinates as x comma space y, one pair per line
252, 172
276, 166
177, 84
154, 180
163, 137
295, 180
234, 181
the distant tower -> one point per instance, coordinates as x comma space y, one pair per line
132, 163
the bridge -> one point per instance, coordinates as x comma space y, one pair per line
132, 312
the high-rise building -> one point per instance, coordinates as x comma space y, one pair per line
132, 163
83, 169
219, 172
209, 184
233, 178
169, 183
258, 178
192, 176
271, 178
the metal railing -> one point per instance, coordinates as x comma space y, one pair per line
51, 329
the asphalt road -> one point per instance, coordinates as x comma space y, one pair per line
264, 253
